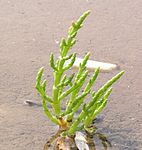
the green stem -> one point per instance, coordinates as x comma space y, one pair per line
74, 126
56, 102
47, 112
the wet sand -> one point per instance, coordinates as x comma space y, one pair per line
30, 30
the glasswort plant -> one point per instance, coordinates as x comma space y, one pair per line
67, 119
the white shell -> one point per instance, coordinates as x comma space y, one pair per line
80, 141
92, 65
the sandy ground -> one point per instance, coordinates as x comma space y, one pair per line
30, 30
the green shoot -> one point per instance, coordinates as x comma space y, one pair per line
69, 119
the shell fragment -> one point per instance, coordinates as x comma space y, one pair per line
91, 65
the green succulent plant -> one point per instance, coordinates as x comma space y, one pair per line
69, 120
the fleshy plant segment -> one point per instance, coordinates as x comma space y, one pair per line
69, 120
